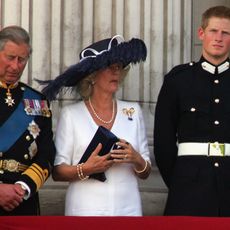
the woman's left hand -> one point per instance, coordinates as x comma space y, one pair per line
125, 153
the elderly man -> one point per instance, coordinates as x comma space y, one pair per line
26, 147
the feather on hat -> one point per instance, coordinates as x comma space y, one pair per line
97, 56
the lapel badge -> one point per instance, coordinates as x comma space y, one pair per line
129, 112
33, 149
33, 129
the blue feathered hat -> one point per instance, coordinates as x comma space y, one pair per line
97, 56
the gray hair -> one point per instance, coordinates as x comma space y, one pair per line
16, 34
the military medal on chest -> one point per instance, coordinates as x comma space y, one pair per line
36, 107
8, 100
34, 129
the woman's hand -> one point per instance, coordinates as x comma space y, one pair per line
125, 153
96, 163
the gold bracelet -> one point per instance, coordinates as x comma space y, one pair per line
80, 173
143, 170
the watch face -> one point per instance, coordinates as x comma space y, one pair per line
23, 187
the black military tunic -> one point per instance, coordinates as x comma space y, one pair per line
194, 106
29, 158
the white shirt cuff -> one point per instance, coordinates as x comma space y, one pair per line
27, 189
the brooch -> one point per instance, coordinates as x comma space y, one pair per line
33, 129
129, 112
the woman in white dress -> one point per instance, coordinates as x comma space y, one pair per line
97, 76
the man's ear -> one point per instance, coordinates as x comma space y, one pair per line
200, 33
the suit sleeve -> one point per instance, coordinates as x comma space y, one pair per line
165, 129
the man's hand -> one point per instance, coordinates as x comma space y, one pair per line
11, 195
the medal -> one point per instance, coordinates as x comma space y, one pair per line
34, 129
36, 107
8, 100
33, 149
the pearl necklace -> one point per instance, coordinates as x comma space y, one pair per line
97, 116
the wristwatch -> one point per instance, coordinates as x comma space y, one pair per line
24, 188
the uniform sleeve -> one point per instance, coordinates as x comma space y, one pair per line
165, 129
41, 167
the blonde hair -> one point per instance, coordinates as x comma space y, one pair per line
85, 86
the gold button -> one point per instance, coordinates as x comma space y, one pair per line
217, 100
216, 122
216, 164
28, 138
26, 156
193, 109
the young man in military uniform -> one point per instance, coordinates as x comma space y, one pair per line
26, 147
192, 125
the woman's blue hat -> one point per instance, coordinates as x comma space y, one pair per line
97, 56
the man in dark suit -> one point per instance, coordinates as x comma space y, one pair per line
26, 139
192, 125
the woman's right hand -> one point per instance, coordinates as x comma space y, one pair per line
96, 163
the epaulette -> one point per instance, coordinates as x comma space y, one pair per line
36, 91
181, 67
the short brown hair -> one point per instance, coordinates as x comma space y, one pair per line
216, 11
